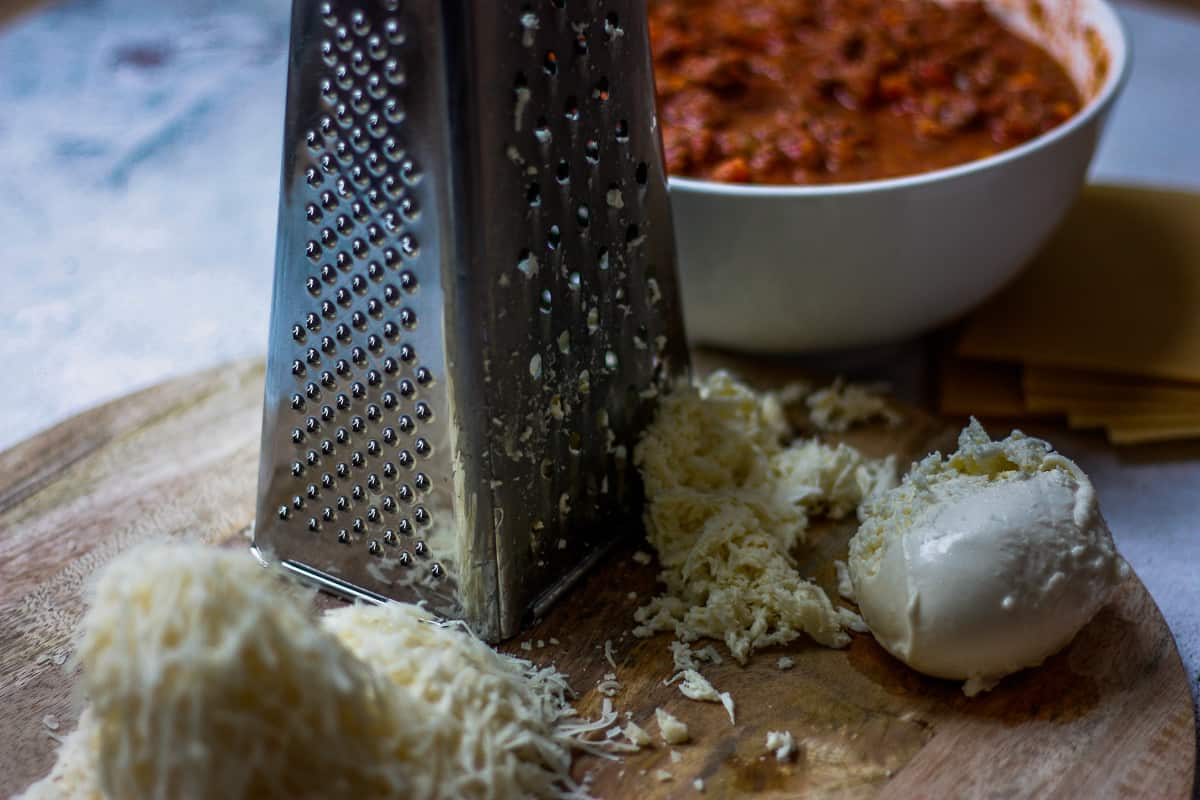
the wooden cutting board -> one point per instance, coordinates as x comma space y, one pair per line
1109, 717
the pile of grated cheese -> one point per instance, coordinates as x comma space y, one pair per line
208, 679
727, 501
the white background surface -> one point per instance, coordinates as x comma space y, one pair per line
140, 144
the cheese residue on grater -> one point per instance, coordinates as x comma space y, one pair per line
210, 679
727, 501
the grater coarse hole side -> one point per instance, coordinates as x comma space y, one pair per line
475, 302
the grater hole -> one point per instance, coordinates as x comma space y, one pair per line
393, 73
562, 173
581, 43
550, 63
641, 173
391, 30
546, 303
533, 195
375, 47
553, 237
409, 246
541, 131
571, 109
591, 151
583, 216
600, 92
622, 130
410, 172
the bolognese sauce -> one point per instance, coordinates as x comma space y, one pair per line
832, 91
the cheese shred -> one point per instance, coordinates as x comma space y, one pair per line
727, 501
210, 679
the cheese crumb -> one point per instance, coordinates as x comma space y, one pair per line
782, 744
662, 775
673, 731
676, 756
635, 734
727, 701
785, 662
726, 503
608, 653
642, 557
698, 784
696, 687
844, 583
842, 405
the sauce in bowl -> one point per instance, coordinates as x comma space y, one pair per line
838, 91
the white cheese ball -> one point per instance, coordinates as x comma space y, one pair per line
986, 562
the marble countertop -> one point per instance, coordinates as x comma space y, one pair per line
141, 163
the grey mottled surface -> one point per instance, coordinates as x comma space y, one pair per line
140, 144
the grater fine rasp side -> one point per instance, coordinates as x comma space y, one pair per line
475, 301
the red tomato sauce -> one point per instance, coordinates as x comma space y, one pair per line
834, 91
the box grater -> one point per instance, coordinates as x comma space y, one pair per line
475, 301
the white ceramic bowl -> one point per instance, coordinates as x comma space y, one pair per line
802, 268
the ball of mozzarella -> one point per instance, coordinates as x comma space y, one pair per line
985, 562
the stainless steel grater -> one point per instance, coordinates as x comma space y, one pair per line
475, 299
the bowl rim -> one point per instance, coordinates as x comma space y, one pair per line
1117, 77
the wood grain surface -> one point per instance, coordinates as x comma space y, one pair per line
1111, 716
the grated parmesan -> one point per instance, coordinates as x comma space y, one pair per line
845, 585
782, 744
673, 731
696, 687
726, 503
636, 735
608, 653
209, 679
785, 662
843, 405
